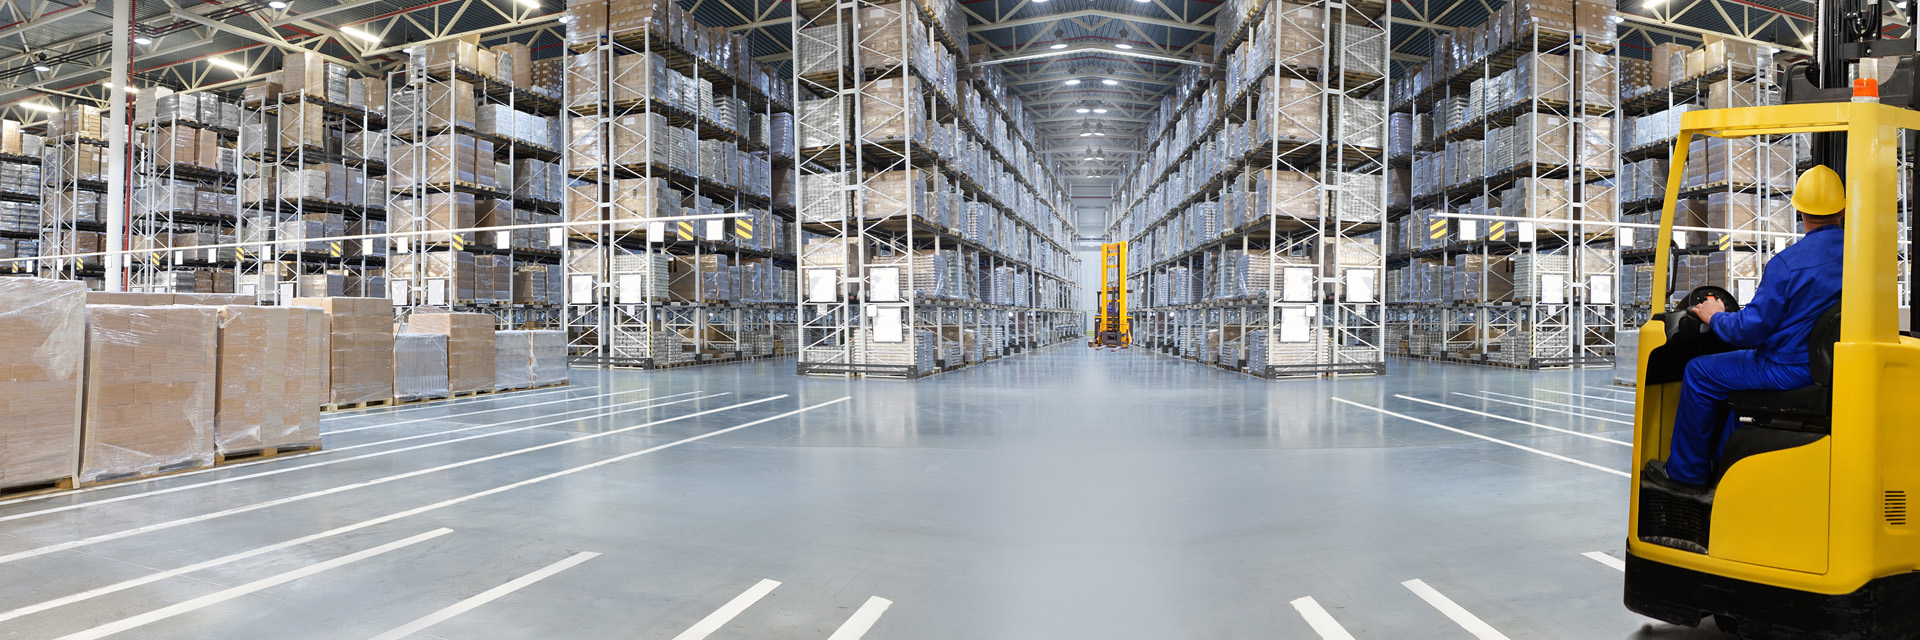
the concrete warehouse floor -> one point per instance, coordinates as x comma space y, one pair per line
1067, 494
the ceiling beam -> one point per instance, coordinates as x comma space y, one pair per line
1088, 13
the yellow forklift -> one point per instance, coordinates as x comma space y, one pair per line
1110, 325
1806, 533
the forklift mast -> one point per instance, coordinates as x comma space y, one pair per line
1846, 32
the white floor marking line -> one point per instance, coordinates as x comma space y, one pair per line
93, 593
856, 627
1321, 621
1548, 409
1517, 421
487, 596
475, 413
1616, 563
376, 454
1464, 432
444, 404
218, 597
1557, 404
720, 617
128, 533
1460, 616
284, 459
1582, 395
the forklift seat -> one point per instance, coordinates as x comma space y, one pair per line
1808, 408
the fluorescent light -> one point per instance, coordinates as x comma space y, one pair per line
359, 34
531, 3
1073, 81
40, 106
1123, 46
1099, 110
1081, 110
142, 40
277, 4
109, 85
1088, 158
1109, 82
1102, 134
41, 67
1058, 45
228, 64
1083, 135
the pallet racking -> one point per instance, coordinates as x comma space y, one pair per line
930, 234
1255, 222
1503, 251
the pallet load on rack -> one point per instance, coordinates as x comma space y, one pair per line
420, 367
360, 343
257, 412
150, 391
44, 328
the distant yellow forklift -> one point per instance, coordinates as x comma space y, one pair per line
1110, 327
1807, 533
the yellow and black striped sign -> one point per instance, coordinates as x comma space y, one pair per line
1726, 240
1497, 230
333, 248
684, 230
743, 228
458, 243
1439, 229
239, 253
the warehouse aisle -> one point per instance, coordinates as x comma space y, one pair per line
1062, 494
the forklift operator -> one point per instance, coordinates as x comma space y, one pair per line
1798, 285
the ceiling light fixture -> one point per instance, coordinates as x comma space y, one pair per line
277, 4
359, 34
227, 64
1109, 82
1081, 110
1058, 45
142, 40
40, 106
1059, 39
1073, 81
40, 63
1100, 110
1123, 46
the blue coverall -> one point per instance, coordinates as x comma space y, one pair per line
1799, 284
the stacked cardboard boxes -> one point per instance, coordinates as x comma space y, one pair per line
271, 366
360, 347
470, 347
420, 366
44, 325
151, 391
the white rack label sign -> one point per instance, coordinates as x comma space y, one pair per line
1600, 288
437, 291
1553, 288
883, 284
1360, 285
632, 286
399, 290
580, 289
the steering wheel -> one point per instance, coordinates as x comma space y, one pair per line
1681, 321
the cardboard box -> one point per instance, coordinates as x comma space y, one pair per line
43, 325
268, 392
420, 366
150, 391
359, 347
470, 346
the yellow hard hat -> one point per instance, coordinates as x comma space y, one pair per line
1820, 192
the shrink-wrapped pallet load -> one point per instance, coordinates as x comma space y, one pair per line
470, 346
512, 360
360, 348
420, 366
150, 391
43, 324
269, 366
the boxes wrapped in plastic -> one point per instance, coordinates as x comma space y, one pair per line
420, 366
360, 347
513, 360
470, 346
270, 367
150, 391
43, 324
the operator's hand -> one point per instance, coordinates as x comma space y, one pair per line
1707, 308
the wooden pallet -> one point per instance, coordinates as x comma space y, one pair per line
402, 403
36, 488
366, 404
263, 453
472, 392
174, 469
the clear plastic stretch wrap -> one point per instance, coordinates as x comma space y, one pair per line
512, 360
419, 366
469, 346
549, 357
360, 347
43, 325
150, 390
270, 367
